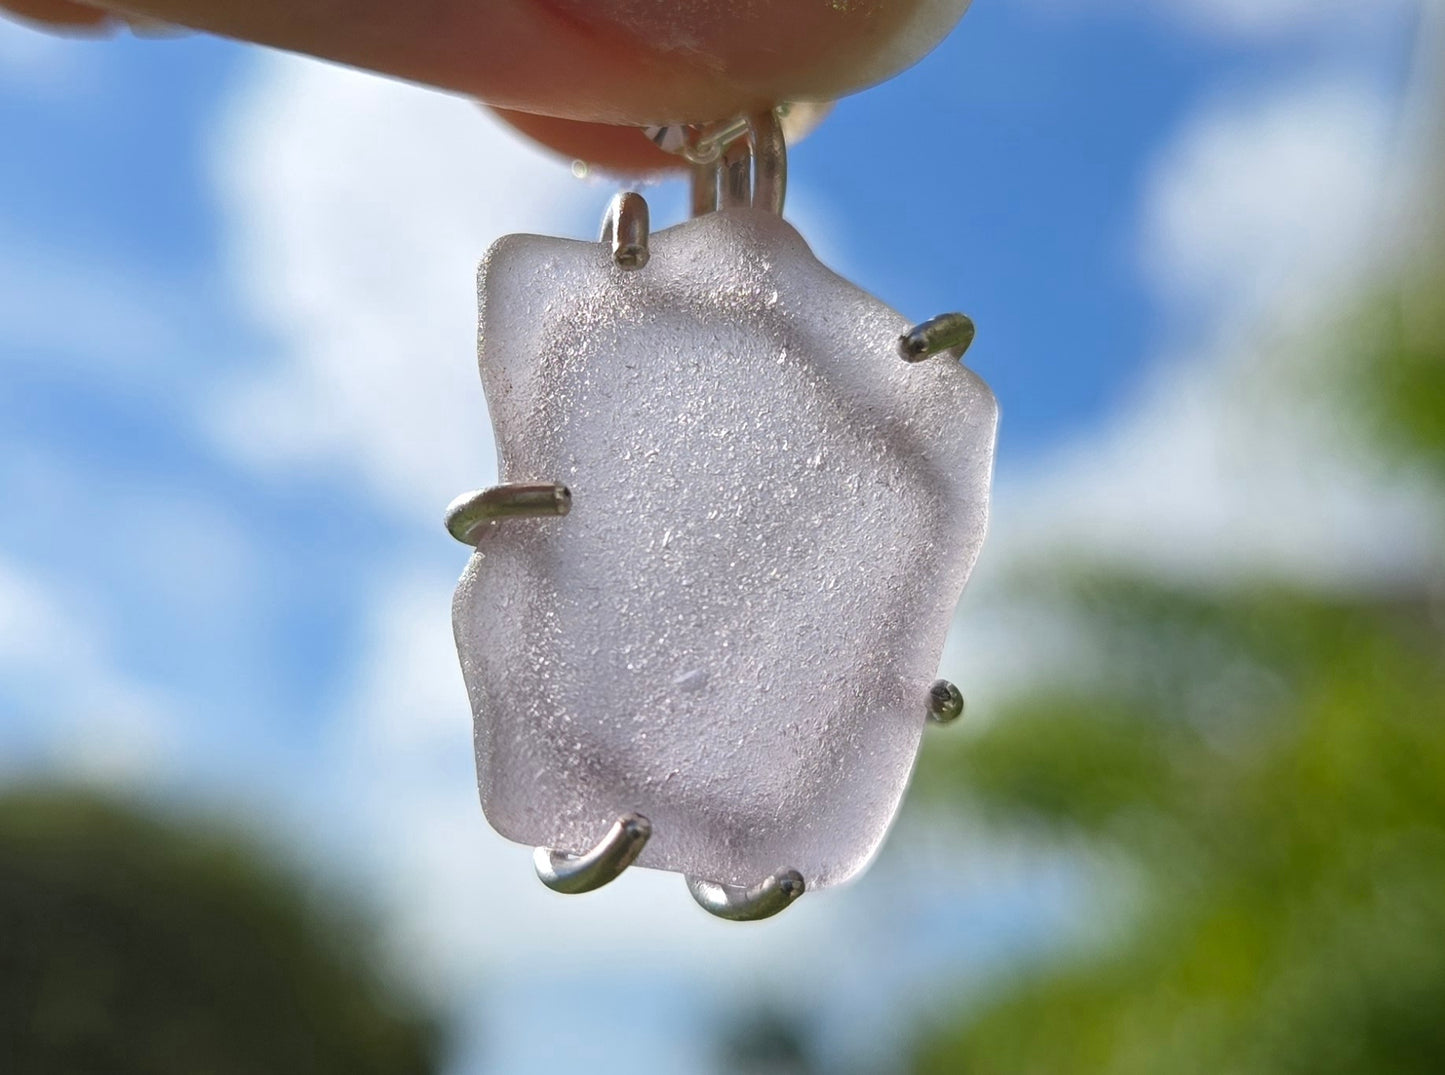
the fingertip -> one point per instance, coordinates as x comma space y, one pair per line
60, 15
623, 150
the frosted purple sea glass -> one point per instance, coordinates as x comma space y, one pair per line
735, 629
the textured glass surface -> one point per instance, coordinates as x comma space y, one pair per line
735, 630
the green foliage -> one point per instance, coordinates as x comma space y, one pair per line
1399, 387
1273, 766
128, 945
1268, 767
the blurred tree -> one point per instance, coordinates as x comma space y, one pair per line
767, 1041
1272, 767
1264, 771
129, 945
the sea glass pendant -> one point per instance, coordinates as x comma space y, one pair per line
702, 623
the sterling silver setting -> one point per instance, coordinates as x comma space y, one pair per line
471, 513
947, 333
575, 874
750, 170
768, 897
945, 702
741, 163
625, 229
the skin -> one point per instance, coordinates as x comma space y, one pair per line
576, 74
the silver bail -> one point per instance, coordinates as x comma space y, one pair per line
737, 164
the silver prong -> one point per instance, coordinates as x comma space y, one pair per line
625, 228
704, 188
739, 904
945, 702
947, 332
574, 874
470, 512
737, 176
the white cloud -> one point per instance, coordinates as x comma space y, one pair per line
64, 690
1229, 461
358, 210
1254, 19
1263, 203
1257, 18
1216, 475
1261, 221
101, 317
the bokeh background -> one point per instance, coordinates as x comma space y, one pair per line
1194, 819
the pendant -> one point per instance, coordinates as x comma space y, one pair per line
702, 623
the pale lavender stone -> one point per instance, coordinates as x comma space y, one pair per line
735, 629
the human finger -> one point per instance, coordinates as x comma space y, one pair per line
60, 14
630, 62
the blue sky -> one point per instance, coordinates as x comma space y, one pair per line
235, 348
